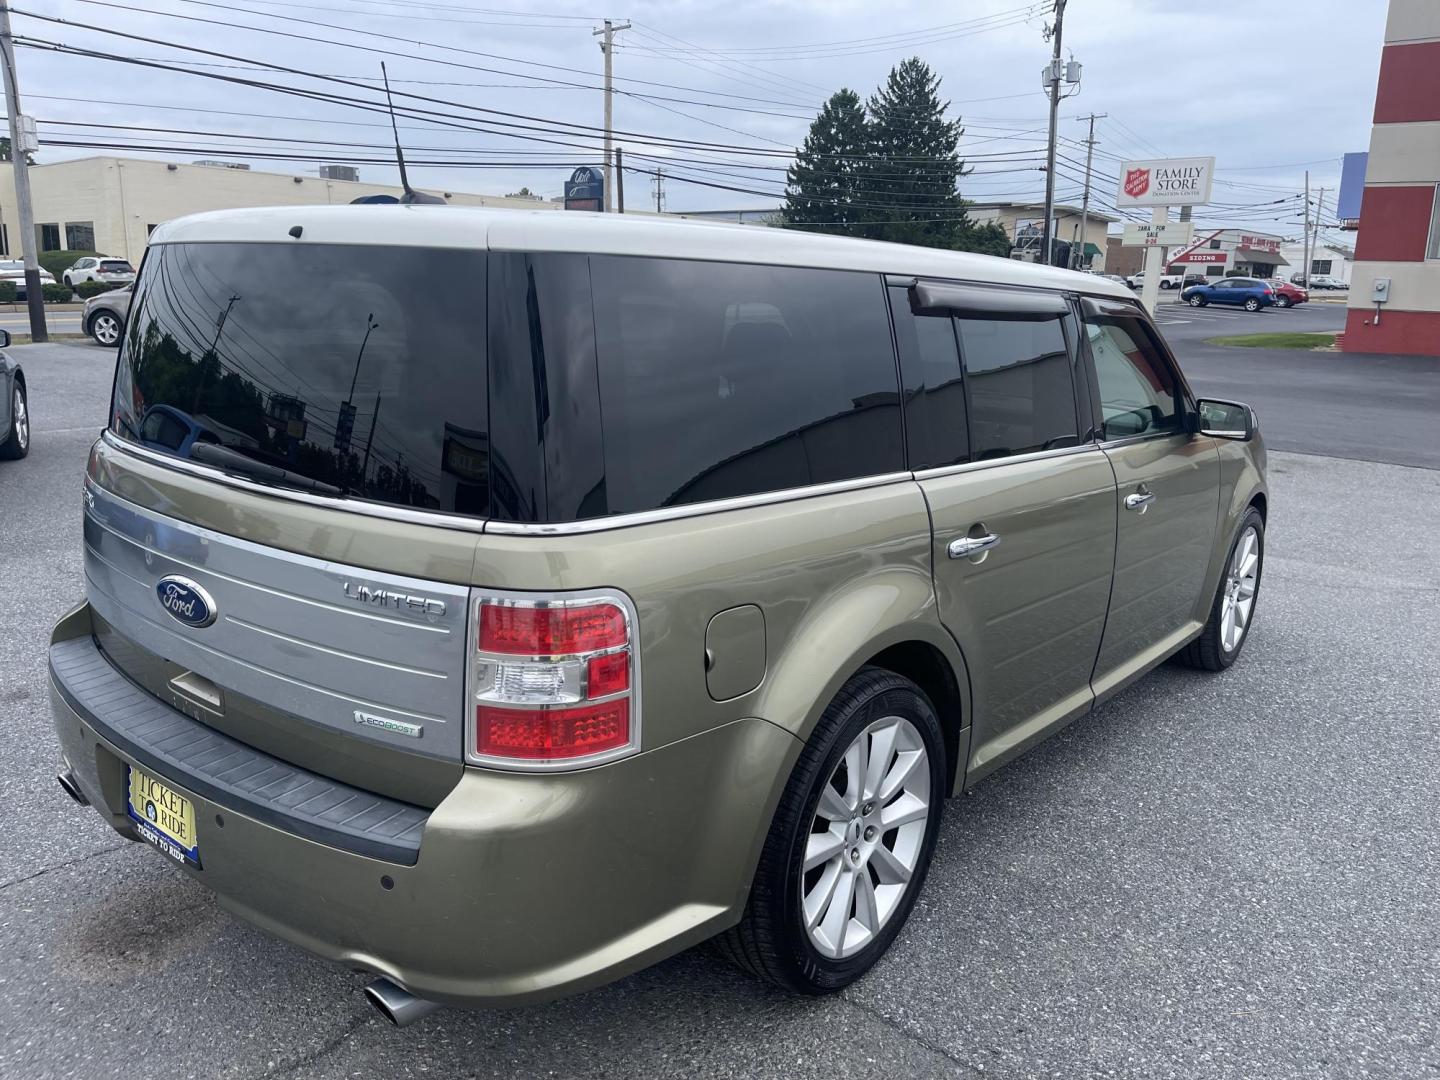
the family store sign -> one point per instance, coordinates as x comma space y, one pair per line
1171, 182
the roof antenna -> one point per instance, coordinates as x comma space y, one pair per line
411, 195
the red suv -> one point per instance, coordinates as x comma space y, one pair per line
1287, 295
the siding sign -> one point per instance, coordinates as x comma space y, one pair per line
1171, 182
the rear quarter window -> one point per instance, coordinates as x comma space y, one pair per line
720, 380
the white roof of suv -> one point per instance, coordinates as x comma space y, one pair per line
612, 234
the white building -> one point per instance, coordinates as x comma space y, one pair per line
111, 204
1218, 252
1331, 259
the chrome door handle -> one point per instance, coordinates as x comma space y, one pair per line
966, 546
1139, 501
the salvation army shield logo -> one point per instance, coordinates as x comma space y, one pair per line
1137, 182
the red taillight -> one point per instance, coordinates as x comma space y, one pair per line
551, 734
550, 631
553, 680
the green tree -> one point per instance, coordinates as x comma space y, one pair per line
913, 170
824, 185
987, 239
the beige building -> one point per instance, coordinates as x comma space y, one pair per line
1023, 223
111, 204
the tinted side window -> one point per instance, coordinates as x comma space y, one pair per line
1139, 394
719, 380
1021, 385
934, 392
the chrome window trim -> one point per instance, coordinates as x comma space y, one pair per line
1111, 444
560, 598
994, 463
699, 509
505, 528
349, 506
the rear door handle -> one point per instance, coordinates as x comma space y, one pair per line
1139, 501
965, 546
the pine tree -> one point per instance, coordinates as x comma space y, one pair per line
822, 186
914, 167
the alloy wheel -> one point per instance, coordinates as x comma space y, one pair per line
865, 841
107, 329
21, 420
1241, 580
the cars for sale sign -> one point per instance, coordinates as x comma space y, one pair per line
1170, 182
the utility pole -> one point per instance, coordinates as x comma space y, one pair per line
659, 191
22, 144
1306, 245
620, 178
1085, 204
607, 46
1046, 239
1319, 217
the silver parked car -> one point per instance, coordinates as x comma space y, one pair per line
105, 315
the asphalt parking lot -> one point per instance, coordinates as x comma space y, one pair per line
1232, 876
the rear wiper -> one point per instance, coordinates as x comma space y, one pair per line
225, 458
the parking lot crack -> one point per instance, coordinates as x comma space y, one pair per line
919, 1040
61, 866
300, 1066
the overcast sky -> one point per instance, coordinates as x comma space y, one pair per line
1270, 89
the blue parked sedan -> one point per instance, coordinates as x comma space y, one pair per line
1249, 293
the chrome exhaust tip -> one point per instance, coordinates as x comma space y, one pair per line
397, 1004
68, 784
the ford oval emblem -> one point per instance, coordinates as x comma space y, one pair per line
185, 600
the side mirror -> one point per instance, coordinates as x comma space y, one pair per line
1225, 420
4, 338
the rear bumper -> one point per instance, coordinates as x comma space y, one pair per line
525, 888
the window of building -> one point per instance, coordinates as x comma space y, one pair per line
48, 236
1214, 270
934, 392
1139, 394
1432, 249
1021, 386
1215, 244
80, 235
719, 380
1320, 266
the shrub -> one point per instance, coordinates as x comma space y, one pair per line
87, 289
57, 262
57, 294
8, 292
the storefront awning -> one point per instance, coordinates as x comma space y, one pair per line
1091, 249
1266, 258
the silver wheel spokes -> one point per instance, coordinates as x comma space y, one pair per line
107, 330
22, 421
865, 840
1238, 601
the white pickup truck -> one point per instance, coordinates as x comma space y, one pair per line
1167, 281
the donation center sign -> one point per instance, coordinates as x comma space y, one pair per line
1171, 182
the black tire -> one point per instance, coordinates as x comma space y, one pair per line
1282, 301
771, 941
1207, 652
17, 443
1198, 301
1252, 304
101, 322
65, 280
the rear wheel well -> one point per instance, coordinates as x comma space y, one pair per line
1260, 503
926, 666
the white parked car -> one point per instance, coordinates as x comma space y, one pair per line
116, 272
1325, 281
1167, 281
14, 270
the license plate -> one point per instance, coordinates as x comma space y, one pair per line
163, 817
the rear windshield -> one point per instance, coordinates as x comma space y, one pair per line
345, 370
116, 266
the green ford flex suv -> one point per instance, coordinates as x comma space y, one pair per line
500, 602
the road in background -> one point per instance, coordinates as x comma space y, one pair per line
59, 322
1211, 876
